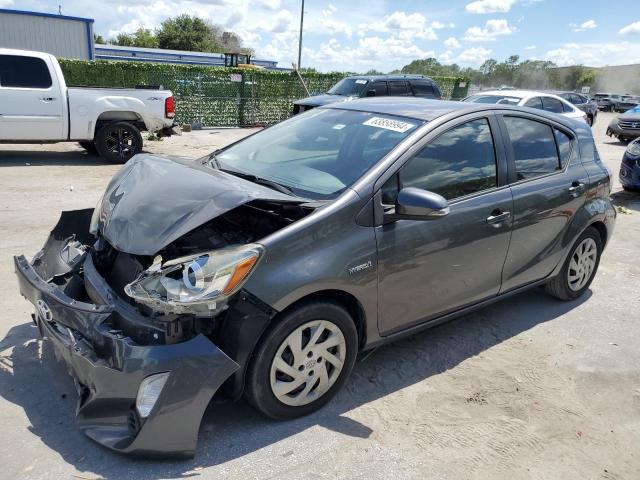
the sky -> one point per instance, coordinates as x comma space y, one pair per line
359, 35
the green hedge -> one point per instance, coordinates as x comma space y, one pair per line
217, 96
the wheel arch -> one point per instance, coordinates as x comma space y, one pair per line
112, 116
602, 230
235, 386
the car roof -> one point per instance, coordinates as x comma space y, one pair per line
515, 93
400, 76
427, 109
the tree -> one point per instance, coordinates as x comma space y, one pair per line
587, 79
98, 39
185, 33
143, 37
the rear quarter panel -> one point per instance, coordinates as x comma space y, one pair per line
86, 105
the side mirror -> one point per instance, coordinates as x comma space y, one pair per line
371, 93
415, 203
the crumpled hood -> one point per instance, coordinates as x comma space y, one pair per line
319, 100
154, 200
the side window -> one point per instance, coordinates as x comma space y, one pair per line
422, 88
534, 147
459, 162
578, 99
564, 146
551, 104
398, 88
379, 87
534, 102
23, 72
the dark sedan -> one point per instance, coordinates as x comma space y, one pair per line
590, 107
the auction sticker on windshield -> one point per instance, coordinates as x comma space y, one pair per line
388, 124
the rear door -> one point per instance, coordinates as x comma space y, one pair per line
31, 101
427, 268
548, 183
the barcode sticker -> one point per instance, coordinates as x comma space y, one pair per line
388, 124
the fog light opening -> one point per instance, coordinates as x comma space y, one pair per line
149, 391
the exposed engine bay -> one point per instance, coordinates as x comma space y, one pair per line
154, 322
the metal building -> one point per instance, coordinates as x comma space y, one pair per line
61, 35
157, 55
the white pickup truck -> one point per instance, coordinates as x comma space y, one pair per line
37, 107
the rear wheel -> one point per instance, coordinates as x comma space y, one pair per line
118, 141
90, 147
303, 361
579, 268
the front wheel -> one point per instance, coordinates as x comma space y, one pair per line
118, 141
303, 361
579, 268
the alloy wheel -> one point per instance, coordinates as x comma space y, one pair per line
582, 264
122, 143
308, 363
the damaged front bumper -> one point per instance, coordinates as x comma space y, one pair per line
108, 366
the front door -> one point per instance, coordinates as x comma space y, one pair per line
31, 103
427, 268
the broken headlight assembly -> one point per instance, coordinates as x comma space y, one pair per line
195, 284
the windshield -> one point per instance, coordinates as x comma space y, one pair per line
502, 99
349, 87
320, 153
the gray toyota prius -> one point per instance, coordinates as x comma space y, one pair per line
264, 268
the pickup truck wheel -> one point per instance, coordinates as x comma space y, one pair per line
302, 361
90, 147
118, 141
579, 268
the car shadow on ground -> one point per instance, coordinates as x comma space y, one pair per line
30, 379
626, 199
38, 158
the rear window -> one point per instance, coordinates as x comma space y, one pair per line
23, 72
422, 87
501, 99
564, 146
534, 147
552, 105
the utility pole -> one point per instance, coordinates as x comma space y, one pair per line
300, 41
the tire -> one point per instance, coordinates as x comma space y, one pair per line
590, 120
117, 142
562, 287
90, 147
264, 371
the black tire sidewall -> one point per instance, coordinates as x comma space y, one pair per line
258, 386
101, 138
588, 233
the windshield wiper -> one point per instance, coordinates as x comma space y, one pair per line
259, 180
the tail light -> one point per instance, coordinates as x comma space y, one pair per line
169, 107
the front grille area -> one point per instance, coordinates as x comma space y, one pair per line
629, 124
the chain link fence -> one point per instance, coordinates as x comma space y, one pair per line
216, 96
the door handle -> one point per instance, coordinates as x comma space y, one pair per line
576, 189
497, 217
48, 99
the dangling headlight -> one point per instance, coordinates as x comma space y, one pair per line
200, 280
